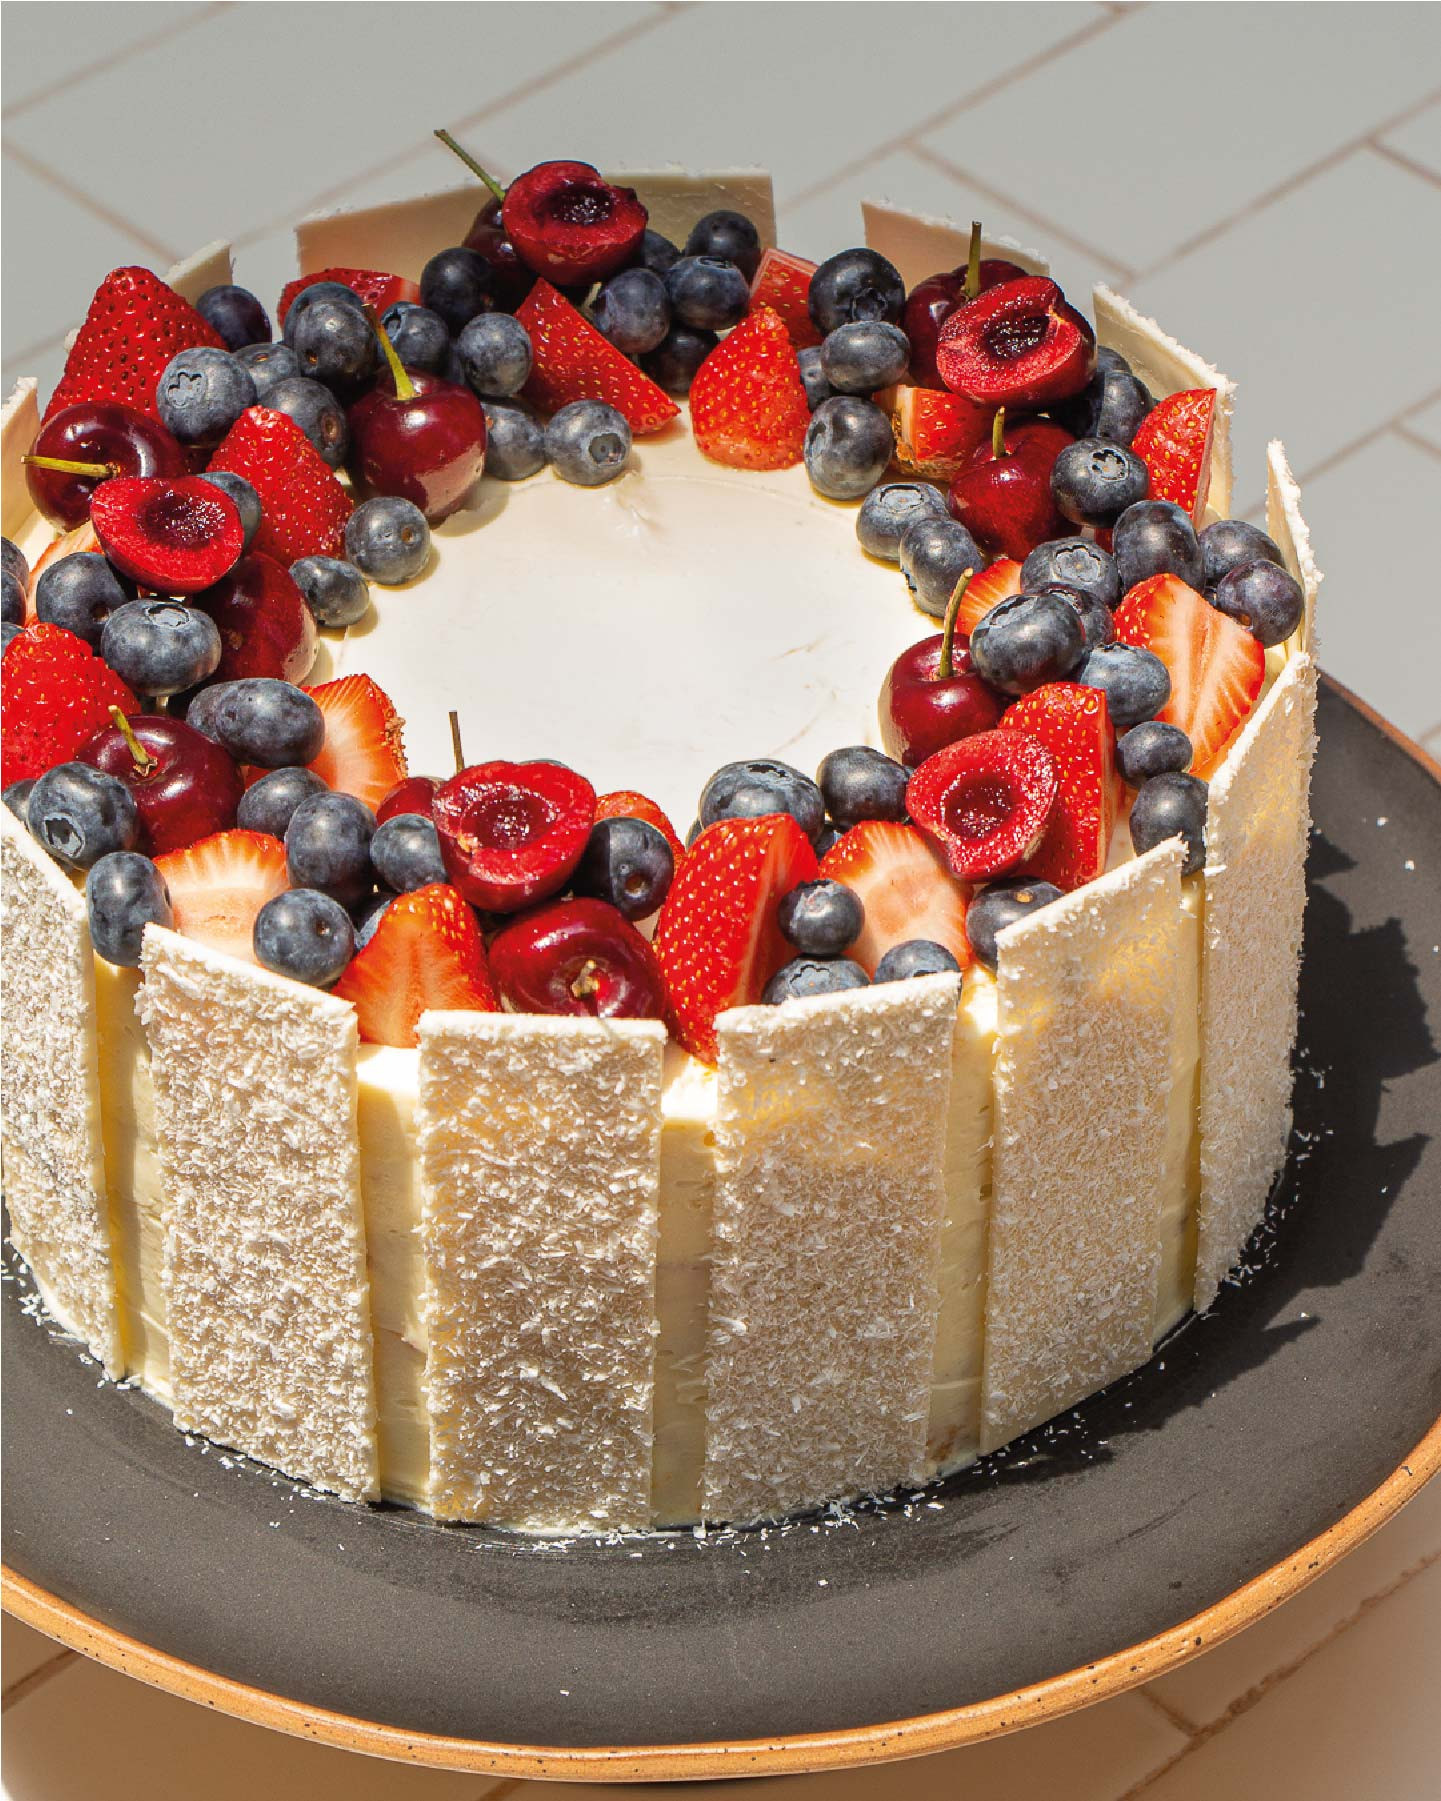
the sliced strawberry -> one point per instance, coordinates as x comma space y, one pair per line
373, 285
935, 431
574, 362
1217, 668
134, 326
55, 693
748, 406
1074, 724
986, 801
1174, 442
424, 956
626, 803
783, 283
905, 888
364, 749
303, 507
219, 884
997, 582
717, 937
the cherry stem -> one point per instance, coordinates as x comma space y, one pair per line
101, 471
144, 762
973, 262
946, 667
404, 386
471, 164
455, 742
998, 433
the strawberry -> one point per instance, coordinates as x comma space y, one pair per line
1074, 724
625, 803
905, 888
935, 431
783, 283
364, 751
574, 362
373, 286
748, 406
997, 582
1174, 442
425, 955
303, 507
134, 326
55, 693
717, 937
1216, 667
219, 884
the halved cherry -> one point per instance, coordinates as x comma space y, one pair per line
511, 833
1021, 344
985, 801
569, 224
173, 537
579, 957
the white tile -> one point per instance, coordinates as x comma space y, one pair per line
1217, 106
23, 1651
1426, 424
41, 52
1321, 360
1419, 139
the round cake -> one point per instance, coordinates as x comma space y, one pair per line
492, 1143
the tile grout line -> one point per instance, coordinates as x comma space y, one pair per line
78, 197
1314, 470
1404, 162
36, 1678
1167, 1712
148, 42
1413, 438
29, 350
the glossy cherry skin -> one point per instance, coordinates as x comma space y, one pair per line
266, 629
93, 432
932, 301
416, 794
192, 791
580, 957
920, 714
1005, 502
429, 448
487, 236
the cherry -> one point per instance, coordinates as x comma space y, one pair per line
579, 957
415, 794
928, 305
571, 225
183, 784
1019, 344
932, 697
1002, 494
511, 280
418, 436
511, 833
83, 445
266, 629
985, 802
171, 535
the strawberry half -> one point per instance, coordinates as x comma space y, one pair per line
364, 750
219, 884
717, 938
626, 803
935, 431
134, 326
424, 956
748, 405
55, 694
1074, 724
905, 888
1174, 442
783, 283
373, 286
303, 508
574, 362
997, 582
1217, 668
986, 801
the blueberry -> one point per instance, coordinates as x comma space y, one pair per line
80, 814
706, 293
338, 292
335, 591
848, 444
1136, 683
13, 561
628, 863
916, 957
269, 804
13, 610
888, 510
495, 354
763, 785
160, 647
457, 284
201, 394
315, 409
387, 539
656, 253
247, 501
367, 916
821, 919
588, 443
1106, 358
813, 376
825, 839
1267, 600
934, 554
261, 720
268, 364
1111, 406
1075, 563
417, 336
1229, 543
124, 893
79, 593
1098, 622
17, 798
9, 632
327, 846
1156, 537
1093, 481
859, 783
632, 309
334, 344
1171, 806
806, 976
1028, 640
999, 905
674, 361
855, 284
865, 355
305, 935
729, 236
236, 314
1152, 748
405, 853
514, 441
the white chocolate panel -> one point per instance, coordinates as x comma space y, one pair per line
922, 244
212, 267
1293, 535
19, 422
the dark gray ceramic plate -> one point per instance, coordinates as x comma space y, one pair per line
1255, 1430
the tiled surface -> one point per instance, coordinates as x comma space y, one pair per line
1275, 200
